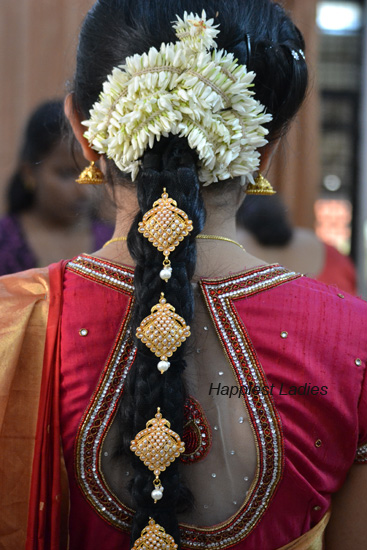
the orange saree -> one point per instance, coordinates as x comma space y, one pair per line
29, 428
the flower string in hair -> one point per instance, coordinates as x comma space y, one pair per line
189, 89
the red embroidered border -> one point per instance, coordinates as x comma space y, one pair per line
90, 477
102, 270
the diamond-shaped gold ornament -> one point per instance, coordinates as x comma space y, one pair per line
163, 331
157, 446
165, 226
154, 537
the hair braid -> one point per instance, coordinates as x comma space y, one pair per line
171, 165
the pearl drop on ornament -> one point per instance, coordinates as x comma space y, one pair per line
157, 494
163, 366
166, 273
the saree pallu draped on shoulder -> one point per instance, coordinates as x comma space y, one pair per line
27, 364
312, 540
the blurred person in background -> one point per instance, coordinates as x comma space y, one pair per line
264, 229
49, 216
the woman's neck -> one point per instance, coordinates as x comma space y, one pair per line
215, 258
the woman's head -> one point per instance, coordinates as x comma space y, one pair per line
46, 172
257, 32
262, 37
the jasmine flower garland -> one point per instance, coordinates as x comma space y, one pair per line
187, 90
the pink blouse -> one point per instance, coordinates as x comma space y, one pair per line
298, 345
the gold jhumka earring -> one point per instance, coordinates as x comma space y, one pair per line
262, 187
163, 331
91, 175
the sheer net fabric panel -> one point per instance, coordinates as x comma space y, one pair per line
221, 479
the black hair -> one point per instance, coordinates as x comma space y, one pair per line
261, 36
44, 130
266, 219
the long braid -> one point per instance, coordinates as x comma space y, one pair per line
170, 165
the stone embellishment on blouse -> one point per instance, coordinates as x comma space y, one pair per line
163, 332
153, 536
157, 446
361, 456
197, 434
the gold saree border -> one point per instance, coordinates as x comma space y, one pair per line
313, 539
24, 307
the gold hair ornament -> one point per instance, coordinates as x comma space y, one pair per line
91, 175
165, 226
154, 537
157, 446
261, 187
163, 332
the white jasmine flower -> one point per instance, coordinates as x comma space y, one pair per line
196, 31
182, 89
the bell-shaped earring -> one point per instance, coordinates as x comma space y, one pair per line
261, 187
91, 175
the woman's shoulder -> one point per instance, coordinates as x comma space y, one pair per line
314, 290
276, 290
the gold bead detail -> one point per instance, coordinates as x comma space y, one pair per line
157, 446
164, 330
165, 225
153, 536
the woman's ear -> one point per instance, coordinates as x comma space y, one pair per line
73, 117
267, 154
